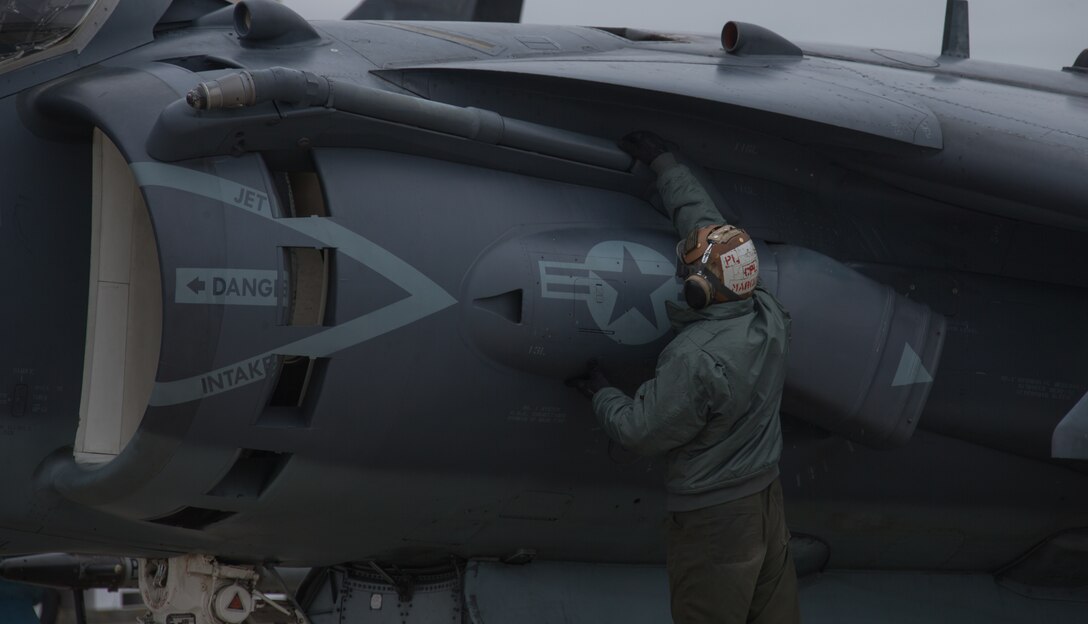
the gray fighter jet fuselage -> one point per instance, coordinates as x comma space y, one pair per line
333, 326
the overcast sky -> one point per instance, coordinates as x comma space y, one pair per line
1039, 33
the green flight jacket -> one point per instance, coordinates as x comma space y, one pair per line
713, 403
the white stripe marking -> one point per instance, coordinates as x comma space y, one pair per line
425, 297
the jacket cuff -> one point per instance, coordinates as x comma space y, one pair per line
663, 163
601, 397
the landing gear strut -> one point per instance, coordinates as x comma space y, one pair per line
197, 589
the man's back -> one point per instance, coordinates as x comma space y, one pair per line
712, 406
745, 344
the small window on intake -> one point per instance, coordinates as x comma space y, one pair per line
308, 284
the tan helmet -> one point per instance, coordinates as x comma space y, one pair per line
718, 263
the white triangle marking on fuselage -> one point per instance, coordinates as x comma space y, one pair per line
911, 370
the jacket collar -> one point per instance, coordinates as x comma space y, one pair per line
683, 316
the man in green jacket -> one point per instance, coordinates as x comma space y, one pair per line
712, 408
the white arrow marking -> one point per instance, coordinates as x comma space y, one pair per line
426, 297
910, 371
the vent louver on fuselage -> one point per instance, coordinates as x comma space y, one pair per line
202, 62
634, 34
251, 474
194, 518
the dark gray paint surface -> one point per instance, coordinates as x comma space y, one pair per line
497, 592
433, 10
439, 426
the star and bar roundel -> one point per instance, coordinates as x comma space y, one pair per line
624, 286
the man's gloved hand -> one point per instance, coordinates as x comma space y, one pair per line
643, 145
591, 381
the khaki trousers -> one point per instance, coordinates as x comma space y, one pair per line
730, 563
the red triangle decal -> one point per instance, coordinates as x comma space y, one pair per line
236, 604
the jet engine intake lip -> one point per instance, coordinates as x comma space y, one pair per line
243, 20
730, 36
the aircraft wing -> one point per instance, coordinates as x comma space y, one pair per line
333, 323
829, 98
972, 150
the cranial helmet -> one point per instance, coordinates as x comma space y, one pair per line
718, 263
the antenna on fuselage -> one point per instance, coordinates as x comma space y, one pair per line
957, 30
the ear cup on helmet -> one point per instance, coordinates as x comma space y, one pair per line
697, 292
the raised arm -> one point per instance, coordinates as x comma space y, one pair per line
687, 202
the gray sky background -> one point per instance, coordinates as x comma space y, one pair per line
1038, 33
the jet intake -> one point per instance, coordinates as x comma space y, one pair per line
124, 315
268, 23
748, 39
